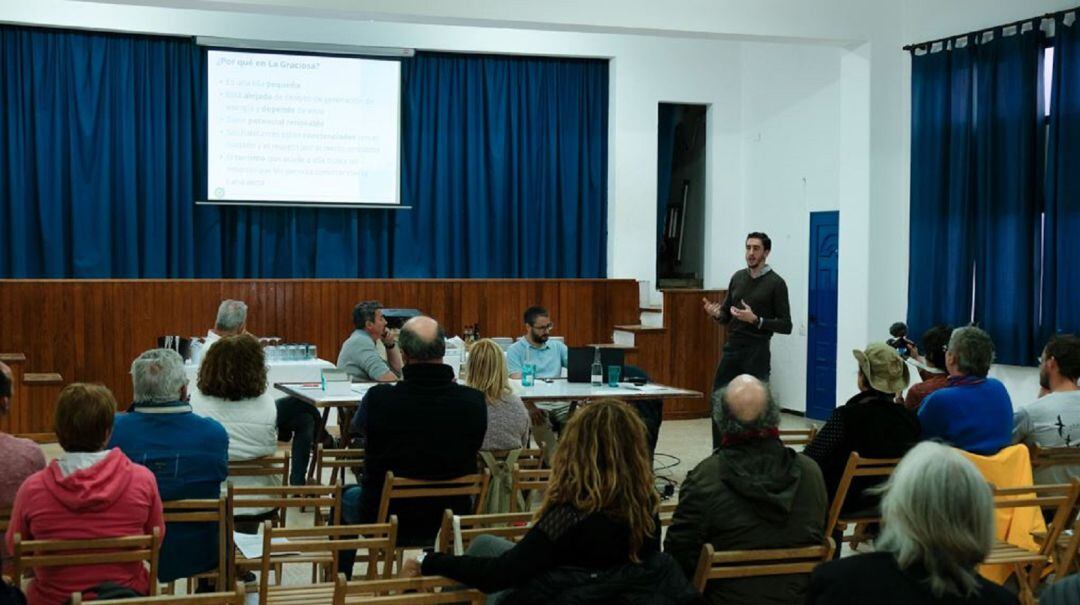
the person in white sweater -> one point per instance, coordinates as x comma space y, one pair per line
232, 389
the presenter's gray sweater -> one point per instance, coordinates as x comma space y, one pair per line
767, 295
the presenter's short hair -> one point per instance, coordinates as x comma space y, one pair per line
364, 312
84, 417
533, 312
765, 241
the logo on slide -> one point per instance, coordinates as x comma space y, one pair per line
219, 192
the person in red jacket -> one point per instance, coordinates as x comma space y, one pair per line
88, 493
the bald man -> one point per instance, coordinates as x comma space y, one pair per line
426, 426
751, 493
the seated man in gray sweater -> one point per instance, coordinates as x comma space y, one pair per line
751, 493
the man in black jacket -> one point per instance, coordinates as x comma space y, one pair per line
425, 426
751, 493
755, 308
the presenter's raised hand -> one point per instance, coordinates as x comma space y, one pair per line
744, 313
712, 308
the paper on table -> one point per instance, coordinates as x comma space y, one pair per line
251, 545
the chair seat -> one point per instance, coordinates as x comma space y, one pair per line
301, 595
1005, 553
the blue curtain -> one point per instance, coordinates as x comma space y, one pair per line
1061, 286
101, 145
942, 232
1010, 148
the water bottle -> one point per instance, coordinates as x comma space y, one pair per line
597, 371
528, 370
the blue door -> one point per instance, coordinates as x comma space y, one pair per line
821, 335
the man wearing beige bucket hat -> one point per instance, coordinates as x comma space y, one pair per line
870, 423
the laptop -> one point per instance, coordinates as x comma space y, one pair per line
580, 359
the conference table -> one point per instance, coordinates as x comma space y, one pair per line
549, 389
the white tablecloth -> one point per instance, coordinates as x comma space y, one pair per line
278, 371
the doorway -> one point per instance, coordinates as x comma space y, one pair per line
680, 195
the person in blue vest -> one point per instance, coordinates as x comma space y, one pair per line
188, 454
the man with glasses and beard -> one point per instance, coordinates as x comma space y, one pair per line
1053, 420
548, 357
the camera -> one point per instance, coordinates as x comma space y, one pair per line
899, 340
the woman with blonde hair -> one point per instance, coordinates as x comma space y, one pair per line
508, 420
596, 535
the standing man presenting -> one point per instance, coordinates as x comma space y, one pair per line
756, 306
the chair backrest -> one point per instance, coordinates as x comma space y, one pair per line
532, 457
29, 554
274, 465
667, 513
338, 461
410, 591
527, 480
512, 526
284, 497
324, 544
791, 437
207, 511
727, 565
398, 488
856, 467
236, 597
1046, 457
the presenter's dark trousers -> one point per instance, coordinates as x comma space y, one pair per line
741, 356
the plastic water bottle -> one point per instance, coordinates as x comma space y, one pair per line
528, 370
597, 371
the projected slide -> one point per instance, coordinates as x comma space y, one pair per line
301, 128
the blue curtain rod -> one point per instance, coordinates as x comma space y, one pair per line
927, 45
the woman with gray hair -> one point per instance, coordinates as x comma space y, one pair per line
938, 525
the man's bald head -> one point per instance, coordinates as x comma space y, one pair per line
422, 340
745, 407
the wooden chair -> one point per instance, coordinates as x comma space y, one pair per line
235, 597
400, 488
524, 482
282, 498
857, 466
338, 461
803, 437
1047, 457
29, 554
512, 526
728, 565
322, 546
206, 511
667, 513
274, 465
1028, 566
421, 591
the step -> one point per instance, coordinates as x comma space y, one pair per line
615, 345
651, 309
640, 328
42, 378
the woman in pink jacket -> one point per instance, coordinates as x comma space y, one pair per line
90, 492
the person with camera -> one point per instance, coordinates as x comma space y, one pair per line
755, 308
935, 342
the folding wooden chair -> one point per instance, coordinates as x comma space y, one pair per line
524, 482
410, 591
667, 513
790, 437
205, 511
731, 564
29, 554
1047, 457
400, 488
1027, 565
282, 498
838, 519
338, 461
322, 546
512, 526
274, 465
235, 597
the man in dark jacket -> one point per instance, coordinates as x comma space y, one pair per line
424, 427
751, 493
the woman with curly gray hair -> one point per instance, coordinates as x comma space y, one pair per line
938, 525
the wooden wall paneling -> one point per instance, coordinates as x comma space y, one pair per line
694, 349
